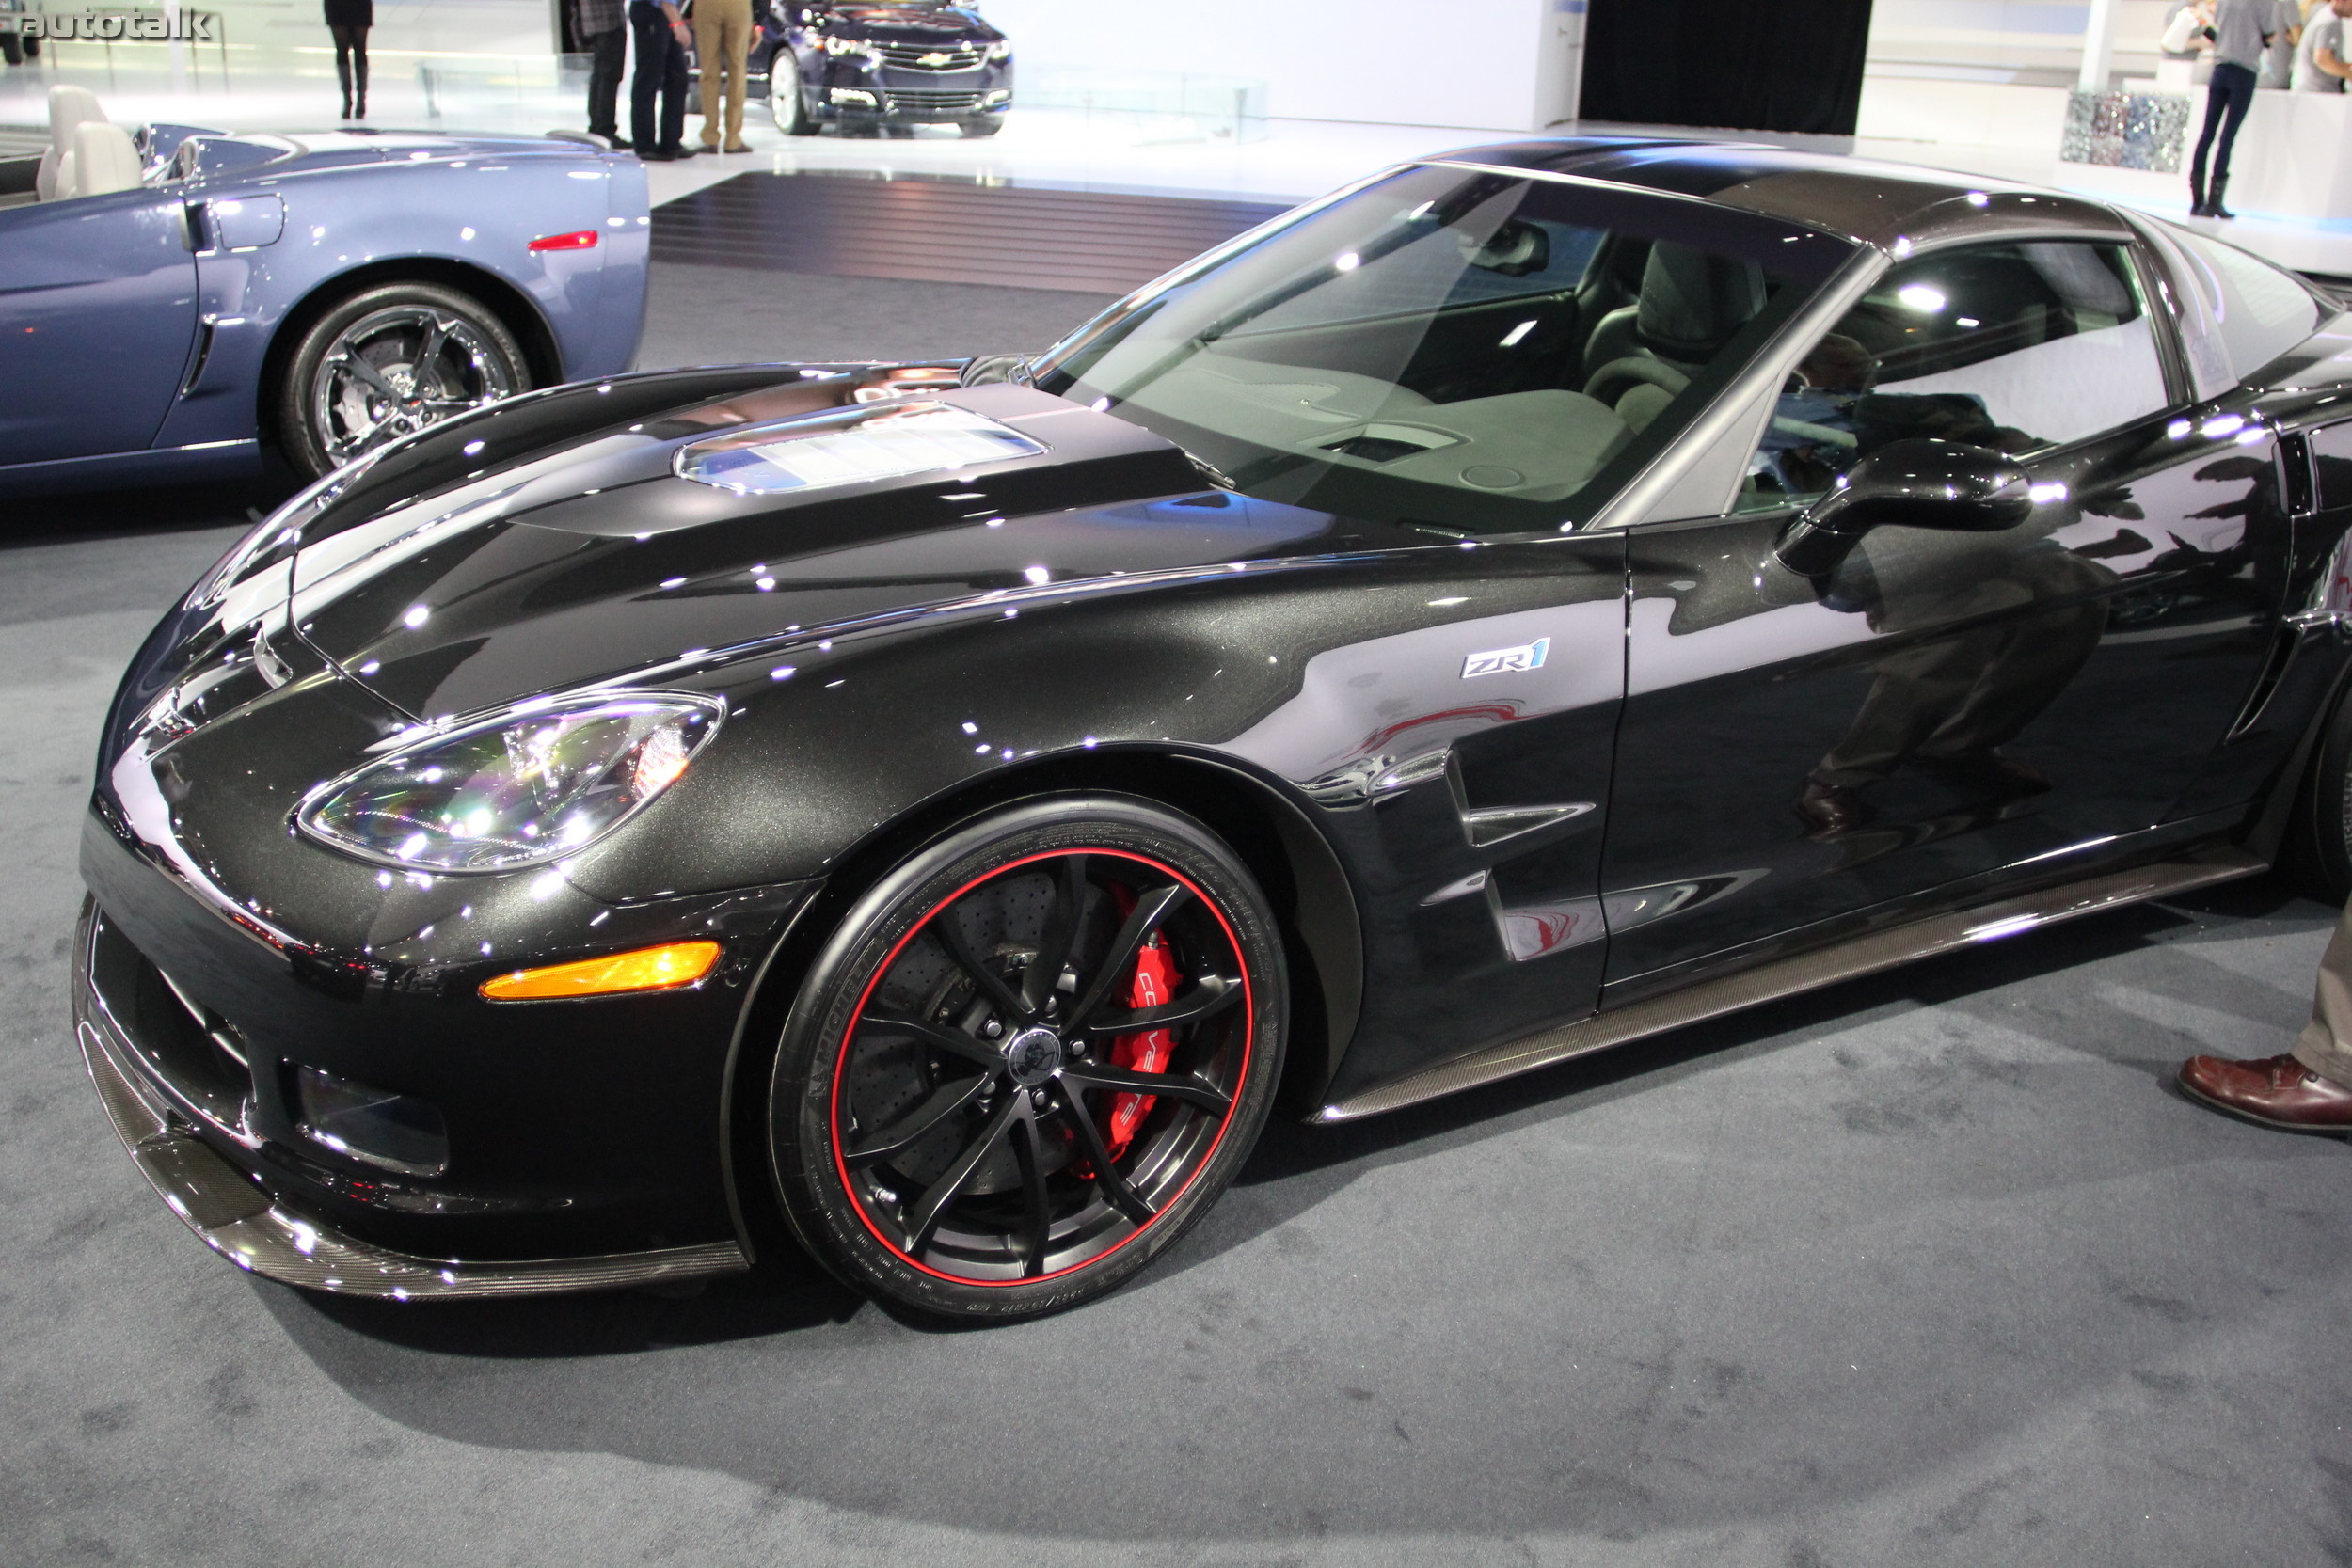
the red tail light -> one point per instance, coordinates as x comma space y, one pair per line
580, 239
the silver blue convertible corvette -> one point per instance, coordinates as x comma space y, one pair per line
173, 302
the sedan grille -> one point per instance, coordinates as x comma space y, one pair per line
923, 56
922, 100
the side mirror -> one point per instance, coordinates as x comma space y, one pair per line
1918, 483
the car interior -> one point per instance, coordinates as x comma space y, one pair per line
1550, 350
2012, 346
88, 155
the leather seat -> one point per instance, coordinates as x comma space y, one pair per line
69, 108
105, 159
1690, 305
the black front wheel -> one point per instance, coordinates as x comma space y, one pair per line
981, 127
1028, 1058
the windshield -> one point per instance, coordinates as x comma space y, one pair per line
1469, 351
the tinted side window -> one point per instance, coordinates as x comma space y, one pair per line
2017, 347
2262, 311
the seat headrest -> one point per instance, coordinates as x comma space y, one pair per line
104, 159
68, 108
1692, 303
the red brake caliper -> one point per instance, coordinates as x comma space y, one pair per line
1148, 1051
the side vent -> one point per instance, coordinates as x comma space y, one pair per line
2281, 650
2295, 456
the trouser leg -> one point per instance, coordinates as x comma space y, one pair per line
672, 91
2324, 1045
2217, 105
739, 46
2240, 99
605, 52
652, 32
709, 54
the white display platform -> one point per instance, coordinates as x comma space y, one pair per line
2292, 163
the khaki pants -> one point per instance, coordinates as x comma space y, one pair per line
723, 42
2325, 1046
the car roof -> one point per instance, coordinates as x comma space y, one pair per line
1876, 203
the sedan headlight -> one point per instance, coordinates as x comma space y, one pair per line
528, 785
864, 50
1000, 50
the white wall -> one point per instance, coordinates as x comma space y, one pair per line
1472, 63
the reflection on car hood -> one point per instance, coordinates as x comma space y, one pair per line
915, 23
599, 561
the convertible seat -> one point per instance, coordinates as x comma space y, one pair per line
1689, 307
104, 159
69, 108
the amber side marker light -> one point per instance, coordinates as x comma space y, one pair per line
675, 963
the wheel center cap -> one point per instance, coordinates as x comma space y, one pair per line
1033, 1056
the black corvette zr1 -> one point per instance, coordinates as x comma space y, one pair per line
1526, 601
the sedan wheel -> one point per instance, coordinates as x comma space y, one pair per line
1030, 1059
387, 362
786, 106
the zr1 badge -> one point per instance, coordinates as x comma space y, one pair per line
1501, 660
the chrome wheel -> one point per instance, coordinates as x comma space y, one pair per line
399, 370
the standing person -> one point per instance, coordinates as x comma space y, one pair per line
661, 34
2239, 42
2310, 1089
2286, 31
602, 29
2319, 63
349, 21
723, 38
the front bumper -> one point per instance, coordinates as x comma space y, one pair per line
272, 1236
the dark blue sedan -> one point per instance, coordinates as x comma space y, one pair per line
171, 302
868, 66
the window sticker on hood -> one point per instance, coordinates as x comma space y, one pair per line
847, 449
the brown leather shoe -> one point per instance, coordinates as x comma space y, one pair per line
2277, 1091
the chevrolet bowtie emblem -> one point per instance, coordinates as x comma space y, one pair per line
934, 57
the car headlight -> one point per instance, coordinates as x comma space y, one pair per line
531, 783
1000, 50
859, 47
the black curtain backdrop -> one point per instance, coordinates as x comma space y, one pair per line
1746, 64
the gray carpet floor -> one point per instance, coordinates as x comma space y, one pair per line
1926, 1269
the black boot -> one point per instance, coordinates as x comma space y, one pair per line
2214, 208
2197, 208
342, 71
